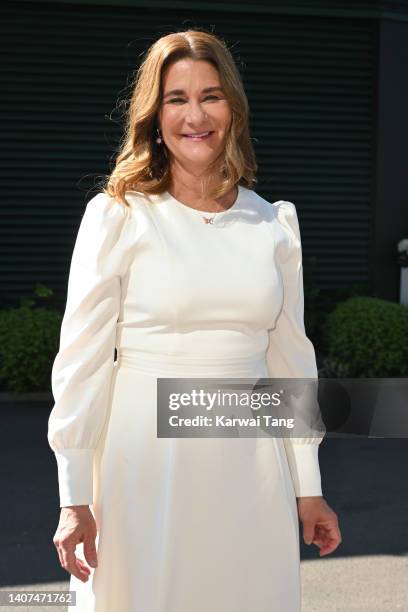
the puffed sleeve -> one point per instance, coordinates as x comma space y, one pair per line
291, 354
83, 367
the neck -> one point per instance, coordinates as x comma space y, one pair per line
187, 187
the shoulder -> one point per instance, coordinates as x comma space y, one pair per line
105, 222
281, 211
104, 207
106, 211
107, 234
278, 208
109, 206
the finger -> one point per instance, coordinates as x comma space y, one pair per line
90, 552
308, 532
83, 566
83, 570
60, 555
328, 537
70, 563
329, 547
325, 535
334, 534
320, 532
319, 541
329, 531
326, 551
65, 552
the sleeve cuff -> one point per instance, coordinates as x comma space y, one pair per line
304, 467
75, 476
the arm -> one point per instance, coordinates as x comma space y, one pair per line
82, 370
291, 354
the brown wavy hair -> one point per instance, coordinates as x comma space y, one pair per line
143, 165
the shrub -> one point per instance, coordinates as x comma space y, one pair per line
366, 337
29, 340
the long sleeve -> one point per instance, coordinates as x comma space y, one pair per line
83, 367
291, 354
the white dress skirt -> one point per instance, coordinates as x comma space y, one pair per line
184, 524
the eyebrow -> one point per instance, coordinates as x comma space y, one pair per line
178, 92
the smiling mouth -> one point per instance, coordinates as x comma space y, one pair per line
198, 136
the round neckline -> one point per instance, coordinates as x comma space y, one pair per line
208, 212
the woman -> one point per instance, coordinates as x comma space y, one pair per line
187, 272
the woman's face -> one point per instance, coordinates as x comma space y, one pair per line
188, 109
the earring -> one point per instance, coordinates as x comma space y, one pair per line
159, 140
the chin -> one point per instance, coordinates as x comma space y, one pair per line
205, 160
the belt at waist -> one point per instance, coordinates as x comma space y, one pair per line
161, 364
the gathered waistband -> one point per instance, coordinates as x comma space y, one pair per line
162, 364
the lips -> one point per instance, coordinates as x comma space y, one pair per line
198, 135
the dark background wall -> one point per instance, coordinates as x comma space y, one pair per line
324, 118
390, 207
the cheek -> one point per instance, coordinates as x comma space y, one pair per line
223, 118
170, 119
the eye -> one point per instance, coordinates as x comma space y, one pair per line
182, 100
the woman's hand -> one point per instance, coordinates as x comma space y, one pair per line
320, 524
76, 525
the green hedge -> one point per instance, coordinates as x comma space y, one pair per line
29, 341
361, 337
366, 337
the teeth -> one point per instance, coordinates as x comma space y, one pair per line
197, 135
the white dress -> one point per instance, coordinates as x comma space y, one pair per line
184, 524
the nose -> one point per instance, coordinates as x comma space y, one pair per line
195, 114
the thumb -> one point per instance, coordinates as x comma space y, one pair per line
90, 552
308, 532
